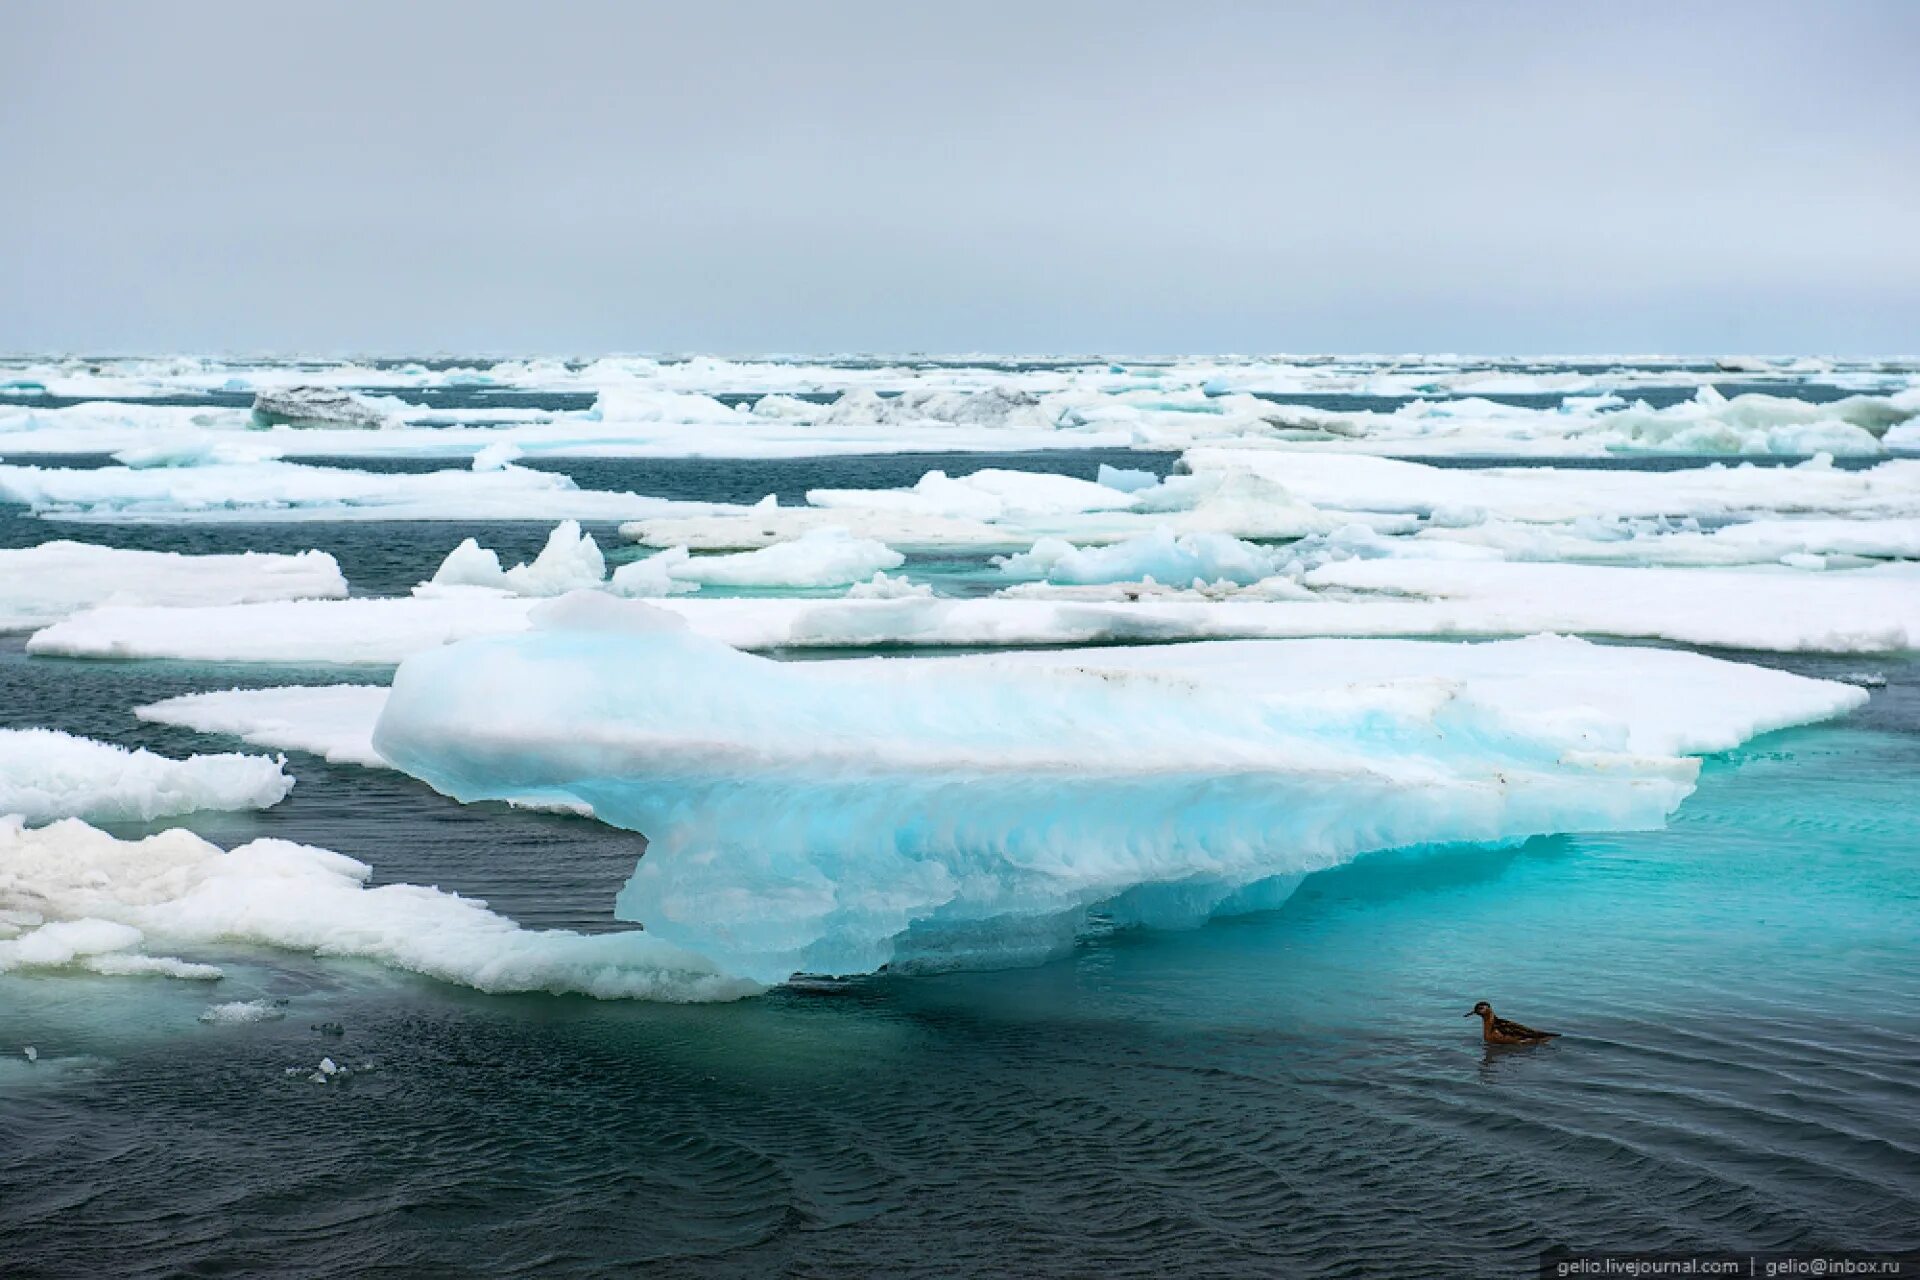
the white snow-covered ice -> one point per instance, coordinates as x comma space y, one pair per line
46, 774
74, 897
295, 491
43, 584
331, 721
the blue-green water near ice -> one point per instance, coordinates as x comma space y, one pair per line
1294, 1093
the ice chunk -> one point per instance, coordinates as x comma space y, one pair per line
236, 1012
333, 721
886, 587
829, 557
653, 575
45, 774
838, 817
1160, 556
43, 584
1126, 480
317, 407
100, 898
570, 560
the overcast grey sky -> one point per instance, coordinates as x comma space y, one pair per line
583, 177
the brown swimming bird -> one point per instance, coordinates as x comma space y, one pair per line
1500, 1031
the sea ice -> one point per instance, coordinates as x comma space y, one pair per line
331, 721
1347, 482
1873, 610
43, 584
841, 817
236, 1012
318, 407
45, 774
1161, 556
295, 491
97, 903
571, 560
827, 557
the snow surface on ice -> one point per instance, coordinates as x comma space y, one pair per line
645, 407
293, 491
43, 584
74, 897
840, 817
46, 774
1848, 611
1545, 494
332, 721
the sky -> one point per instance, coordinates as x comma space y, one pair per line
1117, 177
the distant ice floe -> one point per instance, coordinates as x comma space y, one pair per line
841, 817
1012, 509
1872, 610
74, 897
320, 407
42, 584
572, 561
662, 408
1458, 496
292, 491
1365, 374
46, 774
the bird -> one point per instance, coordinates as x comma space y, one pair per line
1500, 1031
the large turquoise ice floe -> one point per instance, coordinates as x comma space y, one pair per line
842, 817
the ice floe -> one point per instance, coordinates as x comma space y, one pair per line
295, 491
1869, 610
42, 584
708, 406
319, 407
331, 721
1011, 510
842, 817
72, 896
46, 774
1448, 495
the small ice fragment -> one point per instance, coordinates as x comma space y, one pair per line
236, 1011
33, 1054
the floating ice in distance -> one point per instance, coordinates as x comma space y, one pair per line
76, 897
46, 774
43, 584
841, 817
1349, 482
1161, 556
293, 491
827, 557
1009, 509
318, 407
331, 721
1850, 611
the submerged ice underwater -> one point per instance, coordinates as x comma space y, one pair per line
1142, 764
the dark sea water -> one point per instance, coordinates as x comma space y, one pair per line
1288, 1094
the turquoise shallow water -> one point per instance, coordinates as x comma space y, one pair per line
1289, 1093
